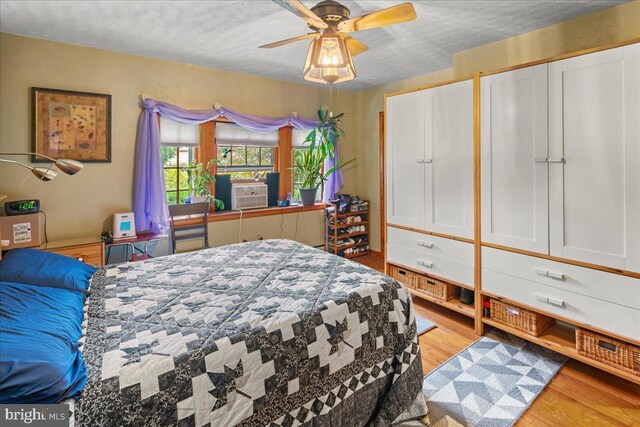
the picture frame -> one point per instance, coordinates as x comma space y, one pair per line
71, 125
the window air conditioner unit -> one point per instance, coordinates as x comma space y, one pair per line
249, 196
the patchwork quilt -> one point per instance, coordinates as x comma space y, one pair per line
262, 333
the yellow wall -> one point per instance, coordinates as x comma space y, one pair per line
612, 25
83, 204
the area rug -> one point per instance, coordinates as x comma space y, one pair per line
423, 325
490, 383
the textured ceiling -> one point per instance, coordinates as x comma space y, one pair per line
226, 34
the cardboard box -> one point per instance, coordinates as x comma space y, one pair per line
21, 231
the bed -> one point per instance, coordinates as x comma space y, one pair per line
261, 333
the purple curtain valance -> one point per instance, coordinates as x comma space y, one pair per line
150, 200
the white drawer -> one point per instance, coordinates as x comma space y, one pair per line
590, 311
431, 264
609, 287
426, 244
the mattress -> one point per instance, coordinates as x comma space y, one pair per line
261, 333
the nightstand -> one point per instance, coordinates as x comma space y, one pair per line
89, 250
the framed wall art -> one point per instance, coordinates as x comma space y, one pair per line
71, 125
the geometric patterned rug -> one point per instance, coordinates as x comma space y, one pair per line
423, 325
490, 383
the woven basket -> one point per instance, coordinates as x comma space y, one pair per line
406, 277
518, 318
611, 352
437, 288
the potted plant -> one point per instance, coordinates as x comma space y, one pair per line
321, 142
200, 181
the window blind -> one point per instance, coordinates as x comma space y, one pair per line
178, 134
230, 134
298, 136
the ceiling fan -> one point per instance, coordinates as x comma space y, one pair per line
330, 52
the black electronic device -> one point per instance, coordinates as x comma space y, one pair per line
223, 190
22, 207
467, 296
273, 187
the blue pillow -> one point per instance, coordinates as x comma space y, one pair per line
40, 268
40, 327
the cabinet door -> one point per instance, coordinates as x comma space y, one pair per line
514, 148
594, 130
449, 159
404, 156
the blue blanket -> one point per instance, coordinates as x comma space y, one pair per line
39, 331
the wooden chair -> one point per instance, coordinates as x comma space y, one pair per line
192, 231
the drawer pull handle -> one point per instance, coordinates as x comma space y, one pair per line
557, 302
608, 346
427, 264
431, 282
402, 272
555, 275
547, 273
549, 300
424, 160
512, 311
425, 244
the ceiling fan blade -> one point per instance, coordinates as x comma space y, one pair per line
287, 41
298, 9
393, 15
355, 47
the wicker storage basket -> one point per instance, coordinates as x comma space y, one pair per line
611, 352
437, 288
518, 318
408, 278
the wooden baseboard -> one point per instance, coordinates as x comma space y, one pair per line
377, 254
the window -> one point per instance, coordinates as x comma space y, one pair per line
244, 154
298, 137
179, 142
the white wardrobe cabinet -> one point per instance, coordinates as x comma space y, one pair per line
429, 159
560, 159
449, 159
405, 127
594, 128
514, 149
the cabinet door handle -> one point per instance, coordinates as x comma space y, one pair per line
425, 244
425, 263
549, 159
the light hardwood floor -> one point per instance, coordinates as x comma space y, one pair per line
579, 395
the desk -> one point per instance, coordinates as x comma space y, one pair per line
140, 238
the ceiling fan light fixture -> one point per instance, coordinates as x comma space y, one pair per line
329, 60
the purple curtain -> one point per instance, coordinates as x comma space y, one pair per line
334, 182
149, 198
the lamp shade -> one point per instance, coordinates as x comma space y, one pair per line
329, 60
44, 174
68, 166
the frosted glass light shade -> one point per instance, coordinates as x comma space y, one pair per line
329, 60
